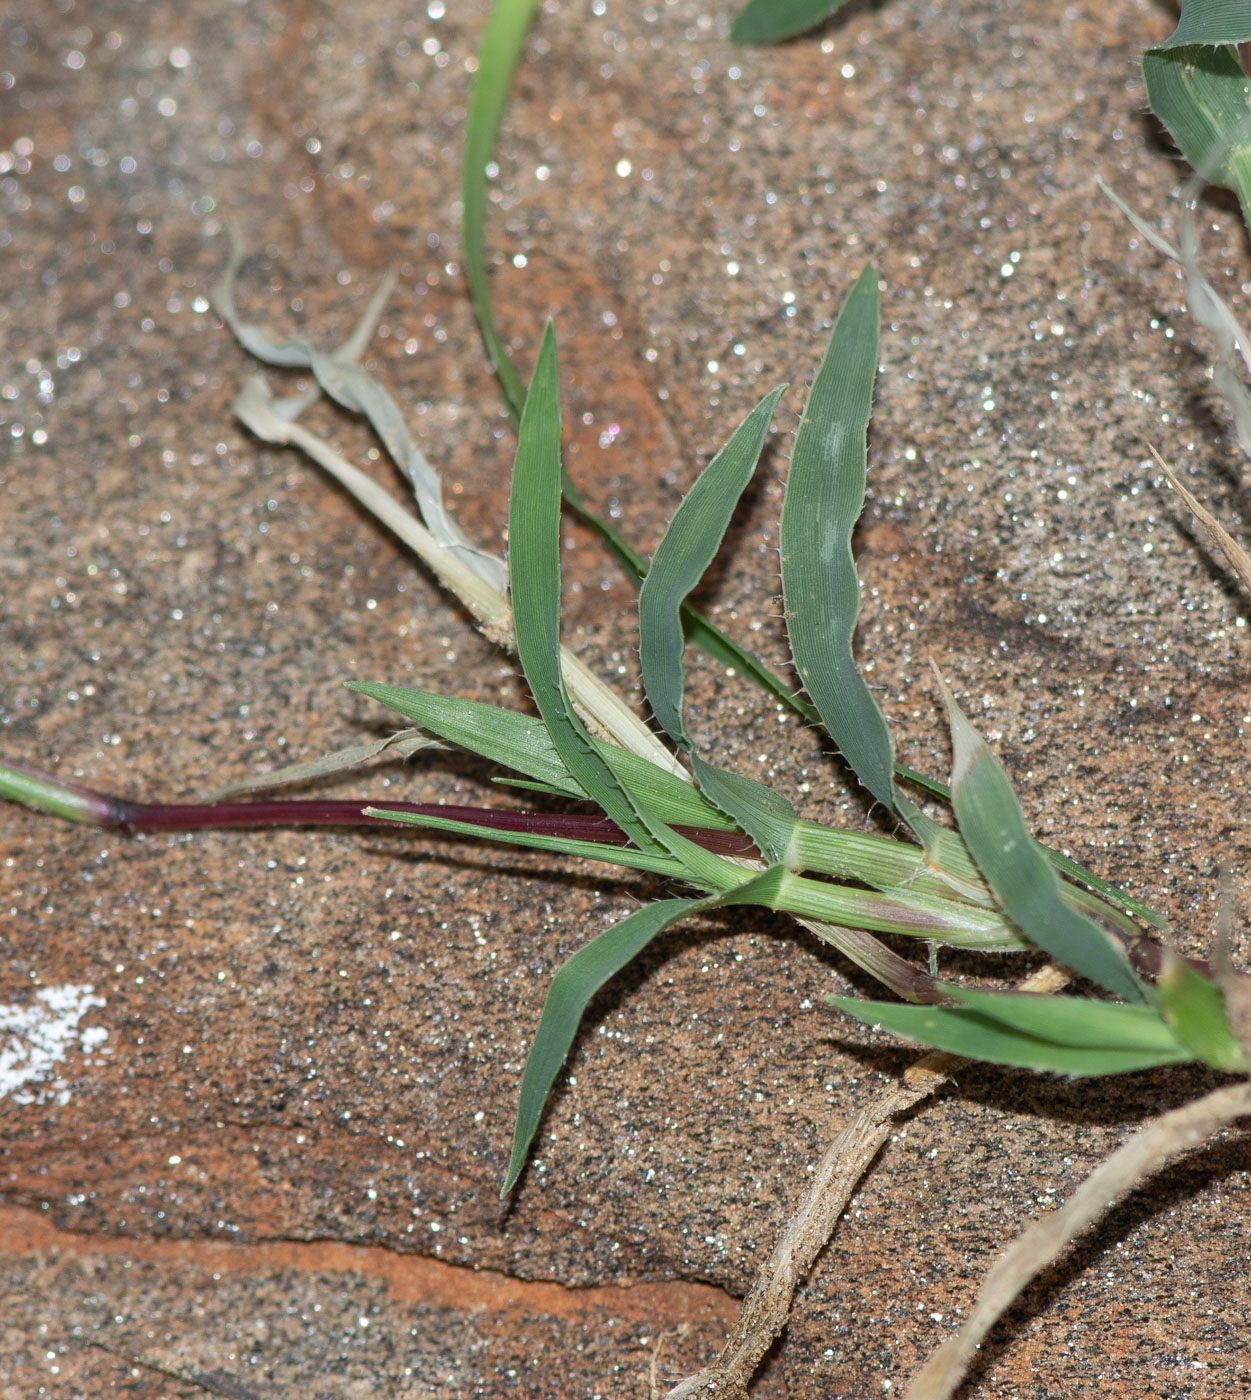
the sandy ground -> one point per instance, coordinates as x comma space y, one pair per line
265, 1136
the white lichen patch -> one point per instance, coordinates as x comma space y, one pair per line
37, 1035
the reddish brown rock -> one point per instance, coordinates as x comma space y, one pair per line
319, 1037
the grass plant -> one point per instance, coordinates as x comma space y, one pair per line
732, 841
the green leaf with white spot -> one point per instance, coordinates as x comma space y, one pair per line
824, 498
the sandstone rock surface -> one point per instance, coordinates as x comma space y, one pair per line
281, 1159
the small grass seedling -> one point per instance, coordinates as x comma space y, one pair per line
986, 886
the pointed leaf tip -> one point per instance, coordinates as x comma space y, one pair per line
824, 498
1019, 874
574, 984
1195, 1009
964, 738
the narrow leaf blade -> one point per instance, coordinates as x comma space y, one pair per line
684, 554
1017, 871
963, 1031
690, 542
583, 974
1081, 1022
1104, 888
629, 857
534, 562
1195, 1010
534, 566
824, 498
502, 42
573, 986
513, 740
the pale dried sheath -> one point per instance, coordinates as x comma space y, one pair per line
606, 711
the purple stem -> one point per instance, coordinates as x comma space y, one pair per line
83, 804
116, 813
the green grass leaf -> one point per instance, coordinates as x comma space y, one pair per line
1113, 894
516, 741
974, 1033
1078, 1021
534, 563
501, 46
824, 498
581, 976
534, 570
527, 785
701, 632
521, 742
1210, 22
1204, 98
1195, 1010
691, 541
573, 986
1017, 871
768, 21
628, 857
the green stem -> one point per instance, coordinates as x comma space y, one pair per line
946, 921
43, 793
